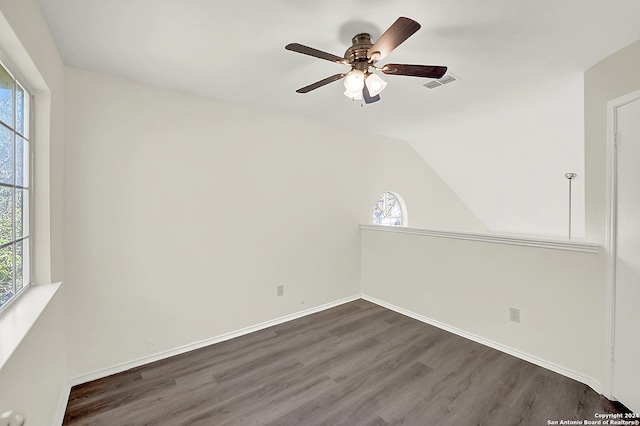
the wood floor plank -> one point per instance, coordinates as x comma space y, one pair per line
357, 364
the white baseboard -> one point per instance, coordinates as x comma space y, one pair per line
594, 384
201, 344
589, 381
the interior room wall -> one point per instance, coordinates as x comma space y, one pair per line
183, 215
614, 76
508, 157
34, 377
470, 286
430, 203
560, 294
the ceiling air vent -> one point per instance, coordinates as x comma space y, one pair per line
447, 78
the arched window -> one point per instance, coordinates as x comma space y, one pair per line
390, 210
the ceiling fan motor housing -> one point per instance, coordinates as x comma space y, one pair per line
358, 53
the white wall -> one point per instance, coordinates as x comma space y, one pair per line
184, 213
507, 160
34, 377
560, 294
470, 285
610, 78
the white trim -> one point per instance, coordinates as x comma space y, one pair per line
203, 343
62, 405
18, 59
610, 236
589, 381
609, 247
580, 246
16, 322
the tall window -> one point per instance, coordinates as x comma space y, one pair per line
389, 210
14, 187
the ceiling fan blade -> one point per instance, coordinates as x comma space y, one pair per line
368, 99
320, 83
395, 35
427, 71
306, 50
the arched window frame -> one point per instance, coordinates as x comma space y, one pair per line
386, 209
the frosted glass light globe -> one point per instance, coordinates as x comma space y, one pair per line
353, 95
375, 84
354, 81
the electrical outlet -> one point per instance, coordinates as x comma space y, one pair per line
514, 314
152, 344
280, 291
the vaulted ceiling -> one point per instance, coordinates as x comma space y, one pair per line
508, 55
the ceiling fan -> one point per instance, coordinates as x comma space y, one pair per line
361, 56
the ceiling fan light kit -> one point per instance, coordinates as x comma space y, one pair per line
360, 82
354, 81
356, 96
375, 84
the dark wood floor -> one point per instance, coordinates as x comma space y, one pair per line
356, 364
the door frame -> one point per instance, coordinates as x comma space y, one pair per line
610, 238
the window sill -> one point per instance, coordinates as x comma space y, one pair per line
549, 243
18, 320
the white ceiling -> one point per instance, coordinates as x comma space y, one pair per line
234, 51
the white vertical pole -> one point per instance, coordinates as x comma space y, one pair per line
570, 176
